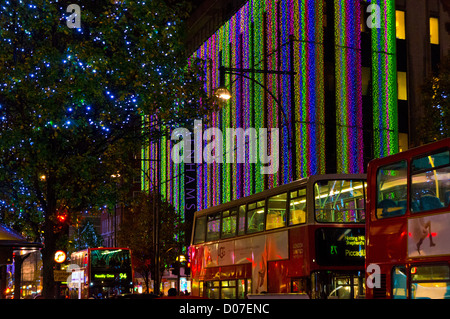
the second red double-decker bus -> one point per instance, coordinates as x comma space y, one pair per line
304, 237
101, 272
408, 224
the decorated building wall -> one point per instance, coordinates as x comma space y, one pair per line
333, 97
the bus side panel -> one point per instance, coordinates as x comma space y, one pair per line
299, 252
386, 235
278, 280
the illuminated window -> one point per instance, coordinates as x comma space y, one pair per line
229, 219
430, 282
402, 142
339, 201
434, 30
297, 207
402, 86
366, 76
255, 217
400, 24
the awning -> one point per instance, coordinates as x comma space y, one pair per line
11, 239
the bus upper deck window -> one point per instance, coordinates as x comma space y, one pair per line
430, 182
392, 190
229, 219
276, 211
339, 201
297, 207
255, 217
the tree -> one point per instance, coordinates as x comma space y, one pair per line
436, 101
72, 103
136, 232
85, 236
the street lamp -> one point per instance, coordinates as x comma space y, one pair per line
222, 93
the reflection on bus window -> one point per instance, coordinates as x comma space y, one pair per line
255, 217
297, 207
276, 211
339, 201
229, 223
241, 220
430, 182
430, 282
212, 289
200, 226
213, 227
392, 190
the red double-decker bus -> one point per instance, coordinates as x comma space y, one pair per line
306, 237
408, 224
101, 272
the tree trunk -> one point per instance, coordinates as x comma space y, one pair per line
48, 252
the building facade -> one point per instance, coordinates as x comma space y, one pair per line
339, 79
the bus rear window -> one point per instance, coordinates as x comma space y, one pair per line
339, 201
392, 190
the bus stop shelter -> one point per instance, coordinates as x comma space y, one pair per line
11, 241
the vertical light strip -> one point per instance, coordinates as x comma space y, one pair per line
384, 82
349, 139
258, 93
309, 88
246, 108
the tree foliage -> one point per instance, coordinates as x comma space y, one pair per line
436, 101
72, 103
136, 232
